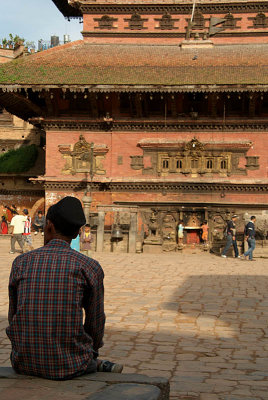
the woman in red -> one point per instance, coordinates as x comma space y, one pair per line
4, 226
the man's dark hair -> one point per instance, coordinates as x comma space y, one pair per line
87, 225
253, 217
39, 212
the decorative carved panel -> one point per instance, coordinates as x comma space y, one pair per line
105, 22
83, 157
198, 20
166, 22
193, 157
252, 163
231, 21
135, 22
136, 162
260, 21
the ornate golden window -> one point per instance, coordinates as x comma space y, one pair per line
179, 164
209, 163
224, 164
165, 164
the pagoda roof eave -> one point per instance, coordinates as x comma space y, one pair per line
66, 9
14, 88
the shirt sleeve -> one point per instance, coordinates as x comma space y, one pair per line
12, 222
12, 291
94, 308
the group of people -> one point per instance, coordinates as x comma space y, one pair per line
249, 233
20, 229
230, 234
204, 232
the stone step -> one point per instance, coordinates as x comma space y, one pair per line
98, 386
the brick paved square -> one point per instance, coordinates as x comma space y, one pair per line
155, 307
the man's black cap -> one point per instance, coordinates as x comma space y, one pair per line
67, 215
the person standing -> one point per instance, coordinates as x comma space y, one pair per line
39, 223
231, 237
17, 225
204, 228
4, 226
180, 233
86, 240
27, 229
250, 237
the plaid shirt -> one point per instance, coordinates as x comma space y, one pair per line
48, 288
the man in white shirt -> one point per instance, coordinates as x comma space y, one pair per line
17, 225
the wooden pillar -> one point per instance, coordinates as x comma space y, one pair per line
173, 106
94, 105
252, 105
132, 233
138, 105
100, 231
212, 104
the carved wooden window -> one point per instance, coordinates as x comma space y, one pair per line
230, 22
105, 22
136, 22
198, 20
260, 21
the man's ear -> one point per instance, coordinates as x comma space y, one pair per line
50, 227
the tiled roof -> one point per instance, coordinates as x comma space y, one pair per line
81, 63
158, 2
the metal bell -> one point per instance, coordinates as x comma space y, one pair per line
117, 232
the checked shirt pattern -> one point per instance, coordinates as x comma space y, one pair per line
48, 289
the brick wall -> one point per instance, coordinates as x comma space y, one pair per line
243, 25
125, 144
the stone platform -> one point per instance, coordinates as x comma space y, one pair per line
99, 386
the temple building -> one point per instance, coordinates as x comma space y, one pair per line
159, 114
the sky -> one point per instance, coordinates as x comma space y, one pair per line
34, 20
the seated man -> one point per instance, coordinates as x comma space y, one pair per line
48, 288
39, 223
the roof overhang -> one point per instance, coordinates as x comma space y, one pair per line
66, 9
136, 88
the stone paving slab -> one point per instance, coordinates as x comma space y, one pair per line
196, 319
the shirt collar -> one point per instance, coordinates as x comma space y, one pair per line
58, 243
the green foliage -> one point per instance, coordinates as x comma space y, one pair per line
13, 40
20, 160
